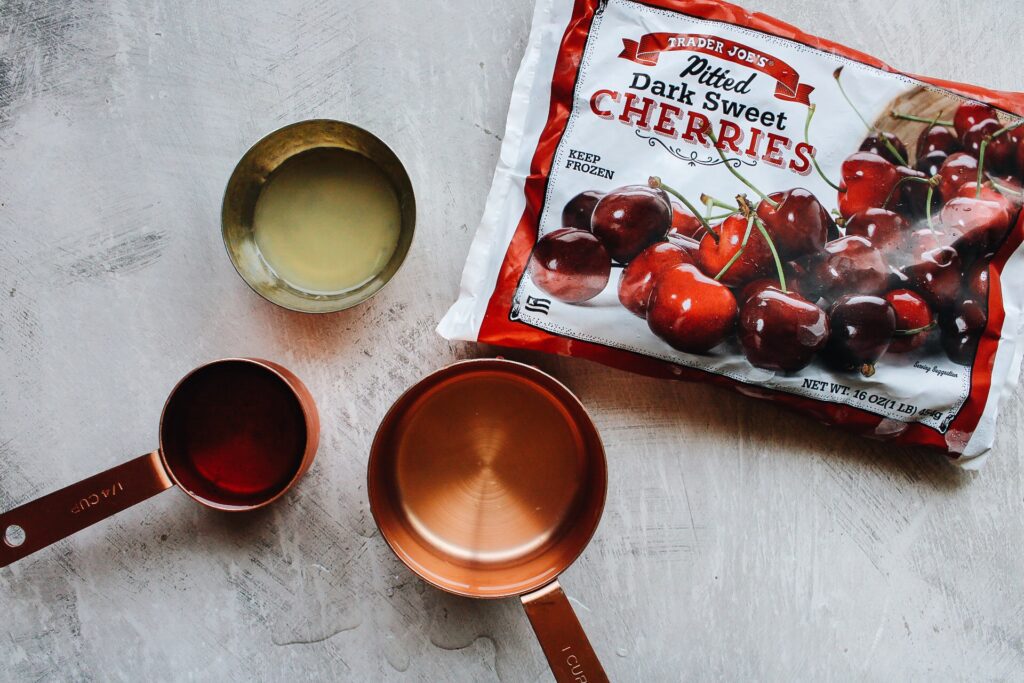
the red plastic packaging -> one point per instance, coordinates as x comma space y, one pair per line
692, 191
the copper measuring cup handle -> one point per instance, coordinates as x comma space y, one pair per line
569, 653
62, 513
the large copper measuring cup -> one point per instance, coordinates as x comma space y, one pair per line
235, 434
488, 479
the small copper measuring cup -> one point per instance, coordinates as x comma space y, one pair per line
235, 435
488, 479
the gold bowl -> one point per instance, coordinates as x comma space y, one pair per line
252, 173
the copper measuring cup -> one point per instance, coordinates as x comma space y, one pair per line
488, 479
202, 443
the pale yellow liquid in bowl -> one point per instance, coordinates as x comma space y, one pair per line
327, 221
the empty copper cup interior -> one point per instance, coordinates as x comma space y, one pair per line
487, 478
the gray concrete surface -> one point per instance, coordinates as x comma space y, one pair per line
740, 542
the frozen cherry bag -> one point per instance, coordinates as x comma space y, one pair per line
692, 191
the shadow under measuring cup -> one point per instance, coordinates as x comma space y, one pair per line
488, 479
235, 435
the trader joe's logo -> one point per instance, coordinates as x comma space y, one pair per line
647, 50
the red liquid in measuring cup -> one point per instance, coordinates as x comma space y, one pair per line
234, 434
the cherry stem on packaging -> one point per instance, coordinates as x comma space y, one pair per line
752, 220
709, 205
917, 330
775, 253
739, 252
814, 154
836, 74
656, 183
933, 122
937, 121
1005, 190
984, 147
928, 205
749, 211
871, 129
728, 164
707, 199
933, 181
